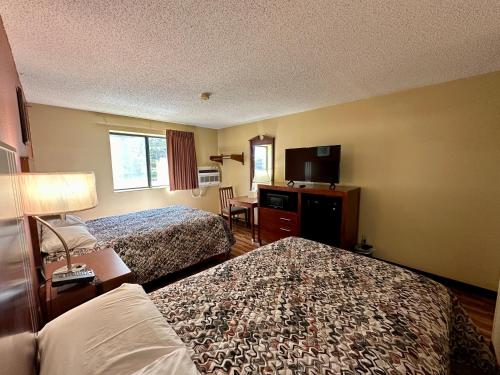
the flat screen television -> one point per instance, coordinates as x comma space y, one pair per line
313, 164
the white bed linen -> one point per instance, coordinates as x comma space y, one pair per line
76, 236
120, 332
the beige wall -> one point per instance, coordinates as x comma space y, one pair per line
73, 140
428, 162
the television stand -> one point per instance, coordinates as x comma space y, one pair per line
290, 183
332, 186
316, 212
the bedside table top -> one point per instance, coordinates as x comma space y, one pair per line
110, 272
106, 264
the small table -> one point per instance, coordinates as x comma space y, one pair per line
246, 202
110, 272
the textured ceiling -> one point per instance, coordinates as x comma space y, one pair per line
260, 59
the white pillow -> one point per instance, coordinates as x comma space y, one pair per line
56, 221
177, 362
120, 332
70, 220
76, 236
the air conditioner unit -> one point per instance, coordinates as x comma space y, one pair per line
208, 176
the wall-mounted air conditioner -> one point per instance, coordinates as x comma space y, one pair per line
208, 176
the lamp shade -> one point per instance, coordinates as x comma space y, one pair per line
57, 193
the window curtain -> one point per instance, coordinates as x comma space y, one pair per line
182, 167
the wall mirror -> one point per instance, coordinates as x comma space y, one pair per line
261, 161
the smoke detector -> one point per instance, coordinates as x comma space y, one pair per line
205, 95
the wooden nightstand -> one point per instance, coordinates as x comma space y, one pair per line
110, 273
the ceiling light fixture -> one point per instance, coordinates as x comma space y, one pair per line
205, 95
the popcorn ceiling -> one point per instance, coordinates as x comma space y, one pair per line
260, 59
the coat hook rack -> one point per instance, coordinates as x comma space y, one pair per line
220, 158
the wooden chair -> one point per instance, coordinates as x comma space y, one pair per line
225, 194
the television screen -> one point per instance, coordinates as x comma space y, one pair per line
313, 164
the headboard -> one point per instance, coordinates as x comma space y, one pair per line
19, 306
33, 227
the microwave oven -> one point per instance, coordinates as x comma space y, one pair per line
276, 200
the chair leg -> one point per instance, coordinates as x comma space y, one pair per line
247, 223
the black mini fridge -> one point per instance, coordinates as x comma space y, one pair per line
321, 218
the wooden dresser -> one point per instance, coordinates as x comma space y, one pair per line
315, 212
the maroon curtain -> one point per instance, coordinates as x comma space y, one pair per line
182, 167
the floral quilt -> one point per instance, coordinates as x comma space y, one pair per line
154, 243
299, 307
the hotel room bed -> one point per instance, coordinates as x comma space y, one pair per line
300, 307
154, 243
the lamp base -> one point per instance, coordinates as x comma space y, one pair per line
79, 273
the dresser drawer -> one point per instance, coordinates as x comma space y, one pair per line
278, 217
276, 224
277, 233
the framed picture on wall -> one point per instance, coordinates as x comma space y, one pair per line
23, 116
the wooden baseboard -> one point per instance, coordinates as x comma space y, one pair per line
477, 290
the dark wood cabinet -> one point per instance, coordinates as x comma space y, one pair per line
315, 212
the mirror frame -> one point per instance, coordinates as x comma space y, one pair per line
256, 141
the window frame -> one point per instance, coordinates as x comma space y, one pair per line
148, 159
262, 140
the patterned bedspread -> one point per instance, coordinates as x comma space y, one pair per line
300, 307
155, 243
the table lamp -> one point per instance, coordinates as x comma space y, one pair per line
58, 194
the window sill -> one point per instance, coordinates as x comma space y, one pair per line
139, 189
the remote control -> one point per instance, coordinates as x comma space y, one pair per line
76, 276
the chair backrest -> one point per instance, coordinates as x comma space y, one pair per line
495, 337
225, 194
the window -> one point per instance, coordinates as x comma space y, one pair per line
138, 161
262, 171
260, 158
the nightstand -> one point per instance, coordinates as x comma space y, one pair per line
110, 273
